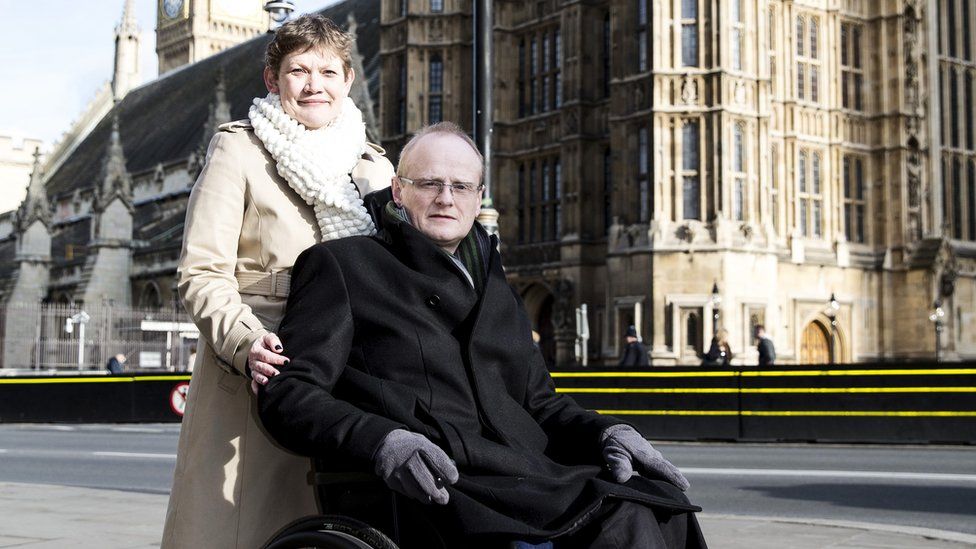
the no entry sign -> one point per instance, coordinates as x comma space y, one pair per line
177, 397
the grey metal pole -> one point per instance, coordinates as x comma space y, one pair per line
483, 66
833, 340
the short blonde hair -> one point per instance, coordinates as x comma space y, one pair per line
449, 128
310, 32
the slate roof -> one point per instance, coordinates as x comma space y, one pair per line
164, 120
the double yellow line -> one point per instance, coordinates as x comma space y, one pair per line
774, 390
792, 413
92, 379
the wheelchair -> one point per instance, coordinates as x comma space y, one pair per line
358, 512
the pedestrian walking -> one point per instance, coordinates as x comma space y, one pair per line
635, 354
767, 351
719, 353
114, 365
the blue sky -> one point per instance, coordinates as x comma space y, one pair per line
56, 54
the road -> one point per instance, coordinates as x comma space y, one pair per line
123, 457
918, 486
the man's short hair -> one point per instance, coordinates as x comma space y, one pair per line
449, 128
760, 327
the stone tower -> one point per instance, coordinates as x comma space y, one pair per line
105, 277
126, 75
190, 30
32, 230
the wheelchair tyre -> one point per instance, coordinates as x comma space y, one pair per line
330, 532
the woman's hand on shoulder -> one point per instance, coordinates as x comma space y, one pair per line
263, 359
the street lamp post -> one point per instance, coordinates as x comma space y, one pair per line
832, 307
938, 318
280, 11
716, 302
484, 66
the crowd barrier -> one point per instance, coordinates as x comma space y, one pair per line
928, 403
916, 403
93, 398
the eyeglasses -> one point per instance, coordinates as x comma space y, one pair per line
434, 187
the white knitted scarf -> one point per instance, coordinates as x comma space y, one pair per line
318, 164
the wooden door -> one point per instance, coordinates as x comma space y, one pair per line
815, 344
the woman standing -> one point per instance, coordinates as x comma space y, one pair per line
291, 175
719, 352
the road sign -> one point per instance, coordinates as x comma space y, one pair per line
177, 398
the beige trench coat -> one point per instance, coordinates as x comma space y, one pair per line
233, 486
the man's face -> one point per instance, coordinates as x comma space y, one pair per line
444, 217
312, 85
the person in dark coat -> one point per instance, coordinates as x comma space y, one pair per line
411, 357
719, 352
114, 365
767, 351
635, 354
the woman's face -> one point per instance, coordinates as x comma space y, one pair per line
312, 85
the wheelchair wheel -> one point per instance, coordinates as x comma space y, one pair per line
330, 532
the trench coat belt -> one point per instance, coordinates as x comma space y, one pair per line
273, 284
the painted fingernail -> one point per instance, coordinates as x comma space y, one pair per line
277, 347
286, 362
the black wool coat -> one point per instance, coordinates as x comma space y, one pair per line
386, 333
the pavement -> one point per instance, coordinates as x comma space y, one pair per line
37, 516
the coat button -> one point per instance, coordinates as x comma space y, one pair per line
433, 301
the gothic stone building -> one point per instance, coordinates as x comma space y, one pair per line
103, 227
784, 151
781, 151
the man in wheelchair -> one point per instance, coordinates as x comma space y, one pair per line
412, 358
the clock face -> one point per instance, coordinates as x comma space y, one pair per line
172, 7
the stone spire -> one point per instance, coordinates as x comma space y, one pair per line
128, 23
35, 205
360, 86
219, 110
115, 181
219, 114
126, 74
221, 106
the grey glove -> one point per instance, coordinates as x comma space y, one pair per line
411, 464
624, 450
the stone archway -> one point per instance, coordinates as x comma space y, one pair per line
539, 303
150, 298
815, 344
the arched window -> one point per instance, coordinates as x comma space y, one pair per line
689, 33
643, 175
693, 333
401, 122
739, 169
150, 298
800, 34
814, 37
435, 90
690, 188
